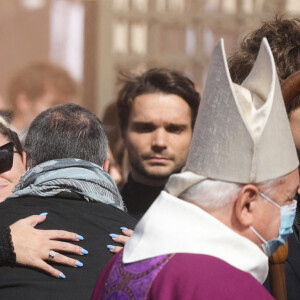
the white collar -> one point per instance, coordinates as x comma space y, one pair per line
172, 225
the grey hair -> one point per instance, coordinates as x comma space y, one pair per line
213, 194
268, 186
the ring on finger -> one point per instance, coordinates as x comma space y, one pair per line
52, 254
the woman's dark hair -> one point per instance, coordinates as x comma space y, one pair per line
11, 136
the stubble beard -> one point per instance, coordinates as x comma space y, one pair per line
163, 175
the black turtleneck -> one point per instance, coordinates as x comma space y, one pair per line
138, 197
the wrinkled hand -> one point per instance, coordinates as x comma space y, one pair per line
32, 246
122, 239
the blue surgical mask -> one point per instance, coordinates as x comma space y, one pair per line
287, 216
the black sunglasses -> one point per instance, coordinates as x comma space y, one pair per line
6, 157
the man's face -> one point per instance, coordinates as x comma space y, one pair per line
268, 219
158, 137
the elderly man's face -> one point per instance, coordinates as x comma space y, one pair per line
268, 218
158, 137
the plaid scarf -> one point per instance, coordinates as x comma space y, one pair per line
69, 175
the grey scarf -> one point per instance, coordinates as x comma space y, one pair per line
70, 175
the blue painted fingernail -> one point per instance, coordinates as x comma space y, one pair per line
123, 228
113, 235
80, 237
110, 247
79, 264
44, 214
61, 275
83, 251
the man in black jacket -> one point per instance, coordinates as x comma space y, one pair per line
66, 150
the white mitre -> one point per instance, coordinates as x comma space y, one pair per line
242, 133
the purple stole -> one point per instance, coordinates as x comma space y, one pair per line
134, 280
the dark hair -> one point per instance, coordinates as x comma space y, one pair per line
66, 131
283, 36
11, 136
156, 80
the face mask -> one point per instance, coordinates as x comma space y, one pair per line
287, 216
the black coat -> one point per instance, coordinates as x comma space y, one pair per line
292, 269
93, 220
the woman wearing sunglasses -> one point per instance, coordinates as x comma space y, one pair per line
12, 164
21, 243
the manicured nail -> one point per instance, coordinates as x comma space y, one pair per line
79, 264
44, 214
61, 275
80, 237
113, 235
110, 247
123, 228
83, 251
